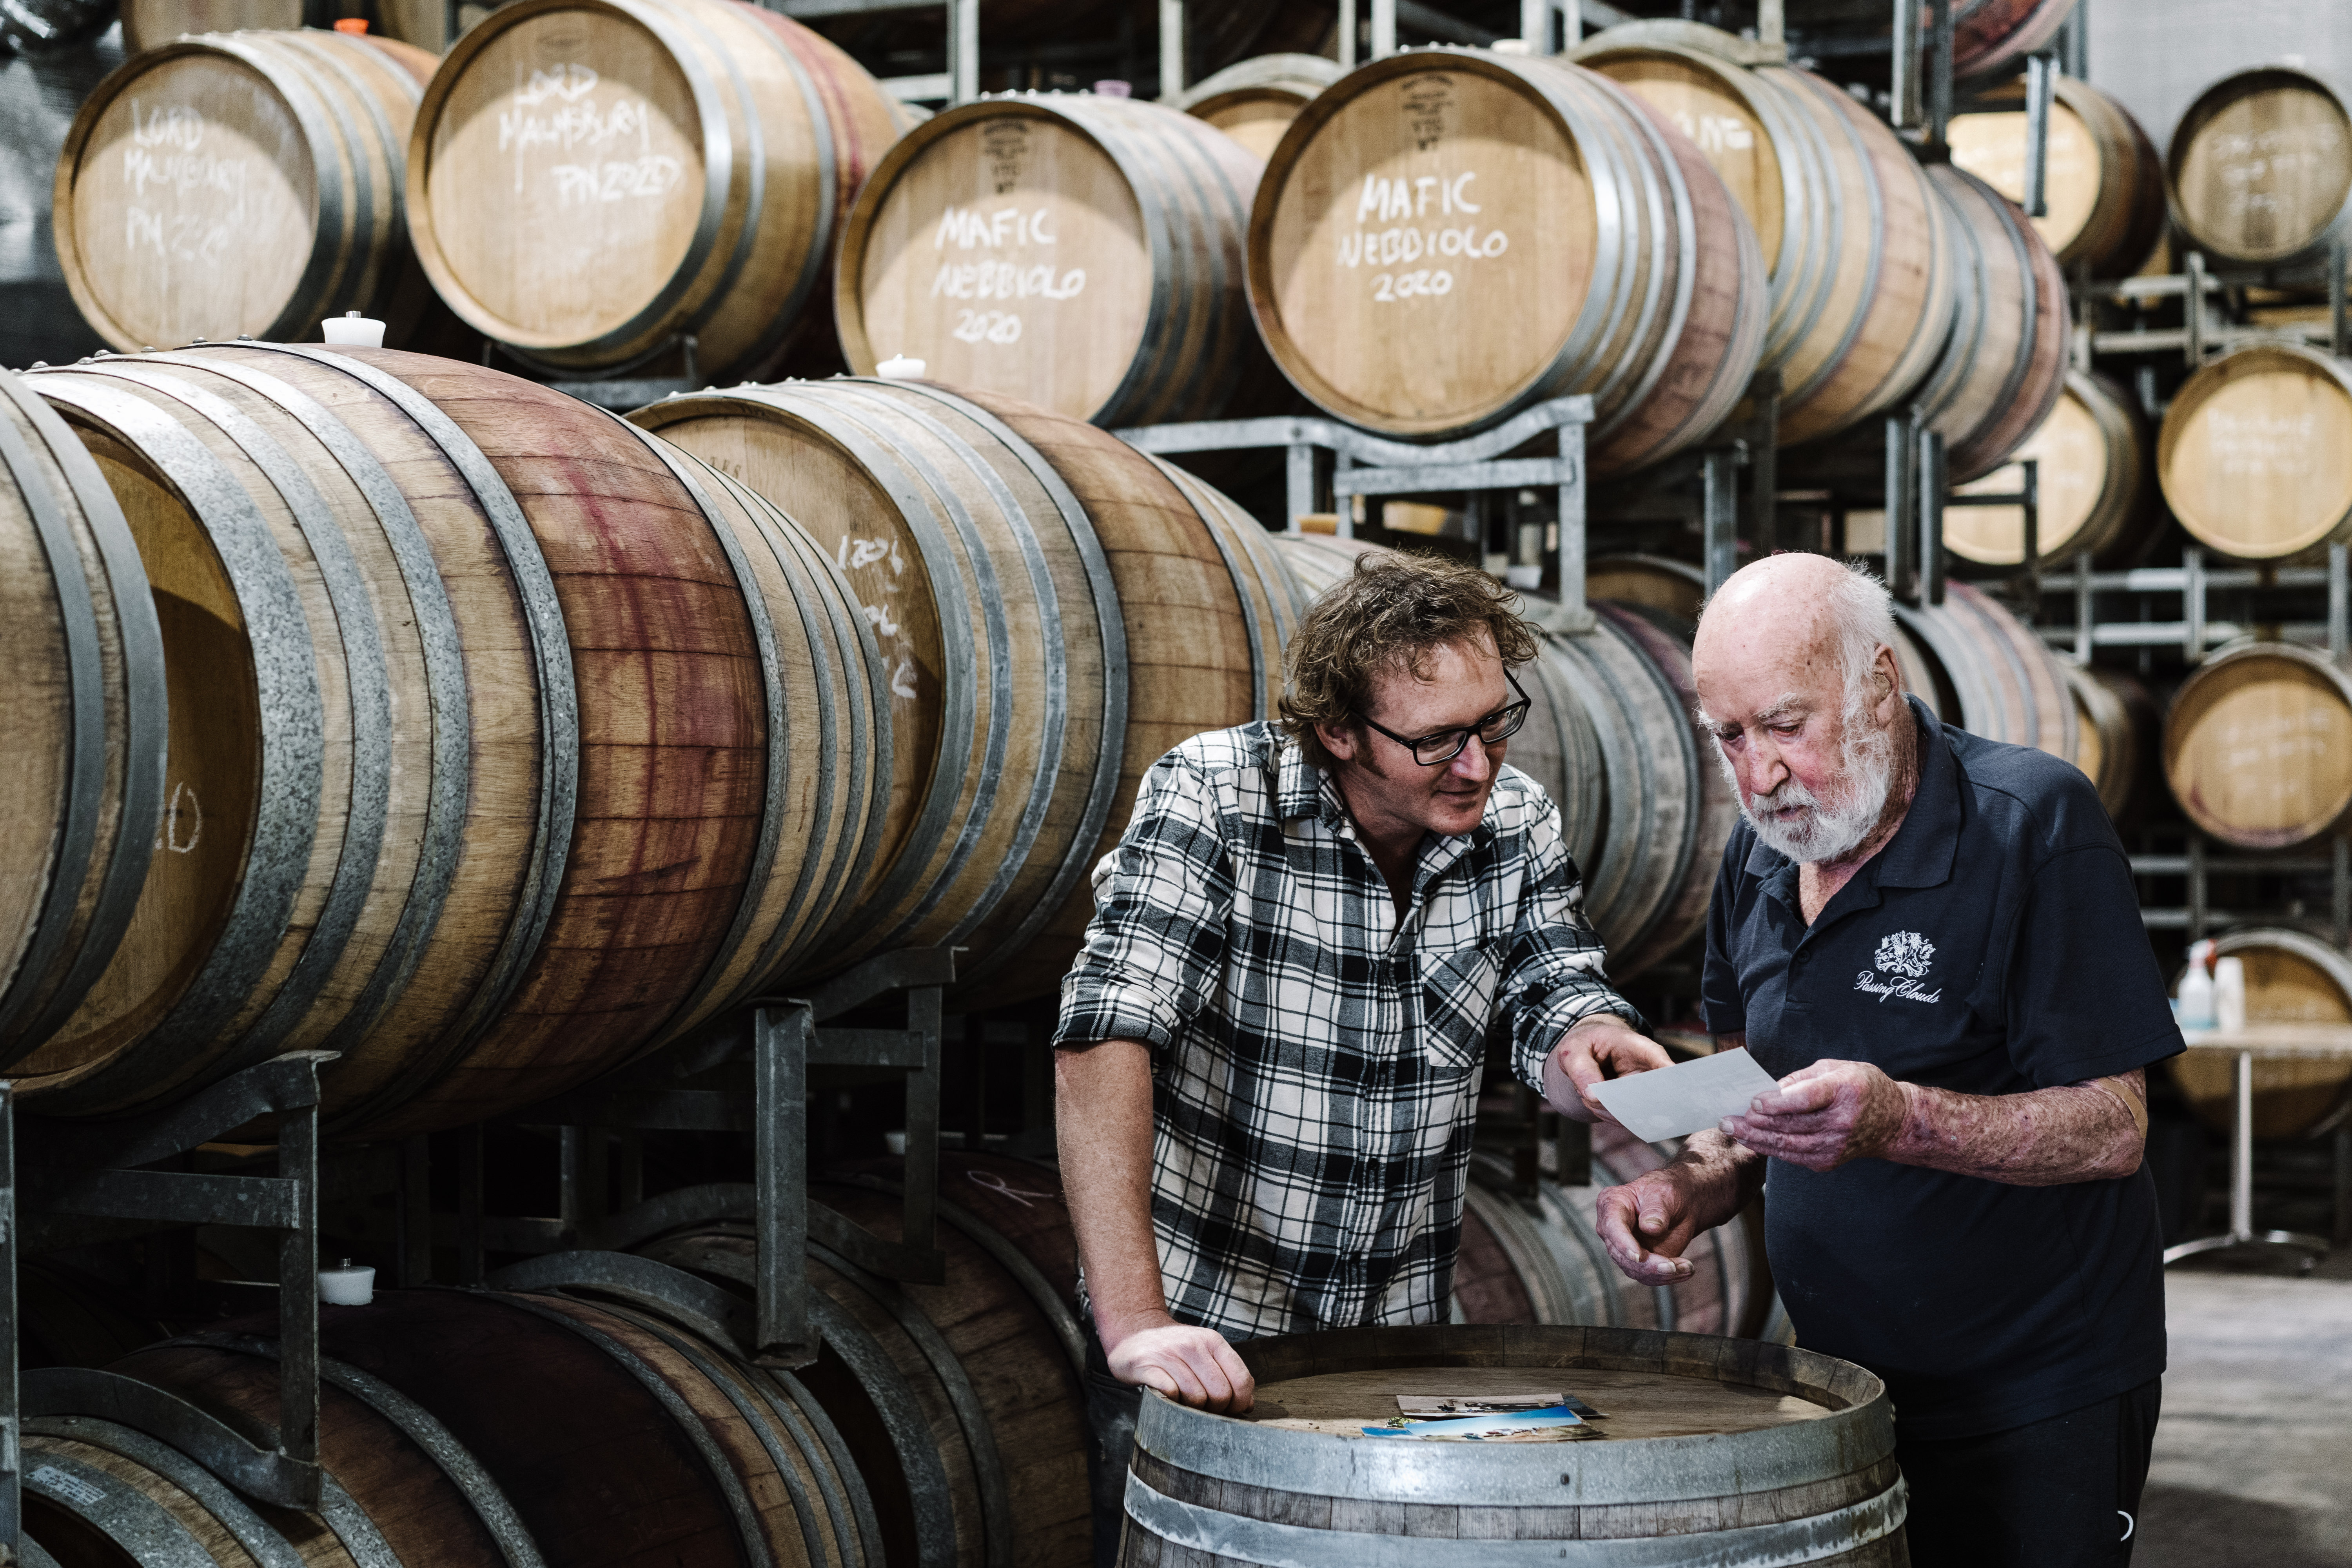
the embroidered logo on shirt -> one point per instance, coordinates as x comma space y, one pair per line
1903, 959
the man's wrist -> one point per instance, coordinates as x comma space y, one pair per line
1112, 1328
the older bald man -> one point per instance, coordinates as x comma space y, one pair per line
1933, 942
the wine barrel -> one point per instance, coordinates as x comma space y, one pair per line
459, 1429
1255, 100
2093, 454
2115, 727
1642, 814
243, 184
2103, 185
2260, 169
1987, 672
1862, 282
1082, 254
963, 1403
1447, 236
2255, 454
1540, 1260
152, 23
2291, 978
86, 714
506, 739
738, 139
2254, 745
2005, 366
1056, 610
1718, 1451
1654, 582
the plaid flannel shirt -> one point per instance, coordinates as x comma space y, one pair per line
1316, 1061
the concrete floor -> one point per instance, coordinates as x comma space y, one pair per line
2254, 1455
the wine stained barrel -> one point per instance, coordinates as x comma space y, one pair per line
1989, 673
506, 738
737, 139
2102, 184
2116, 728
2255, 454
2255, 745
1862, 287
242, 183
963, 1402
83, 806
2093, 492
1255, 100
1717, 1451
1445, 237
1055, 611
2291, 978
2260, 169
1540, 1261
2005, 366
1082, 254
470, 1429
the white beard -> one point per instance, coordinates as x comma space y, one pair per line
1825, 830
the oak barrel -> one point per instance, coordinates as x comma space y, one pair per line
456, 1429
1977, 666
2260, 169
2291, 977
2116, 729
1055, 611
2005, 364
2092, 457
85, 712
1717, 1451
1540, 1261
1862, 282
1447, 236
963, 1402
2102, 184
1255, 100
1081, 253
591, 180
2256, 745
244, 184
1989, 37
508, 739
2255, 454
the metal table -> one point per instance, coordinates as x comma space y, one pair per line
2274, 1042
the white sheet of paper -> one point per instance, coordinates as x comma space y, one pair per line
1688, 1097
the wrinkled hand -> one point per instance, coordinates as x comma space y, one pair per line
1646, 1222
1191, 1365
1824, 1115
1591, 1053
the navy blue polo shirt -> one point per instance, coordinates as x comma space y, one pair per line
1994, 946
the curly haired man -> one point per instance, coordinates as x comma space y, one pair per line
1269, 1051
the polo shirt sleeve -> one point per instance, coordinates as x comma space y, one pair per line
1155, 949
2084, 998
1722, 1008
1553, 977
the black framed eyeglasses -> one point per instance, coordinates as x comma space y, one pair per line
1430, 751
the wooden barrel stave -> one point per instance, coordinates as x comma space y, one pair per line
1255, 100
2252, 743
1976, 666
2291, 977
2259, 170
2092, 452
2255, 453
1831, 1488
757, 136
2116, 726
1664, 336
2006, 363
2104, 183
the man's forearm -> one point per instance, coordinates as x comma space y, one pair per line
1731, 1174
1102, 1104
2077, 1133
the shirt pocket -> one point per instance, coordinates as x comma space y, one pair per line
1457, 1001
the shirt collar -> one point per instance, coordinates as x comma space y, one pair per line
1920, 854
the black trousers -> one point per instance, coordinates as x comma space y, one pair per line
1111, 1408
2061, 1493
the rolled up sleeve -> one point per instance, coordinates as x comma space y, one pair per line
1553, 976
1154, 952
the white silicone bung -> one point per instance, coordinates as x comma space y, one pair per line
899, 367
896, 1140
1523, 577
346, 1284
353, 331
